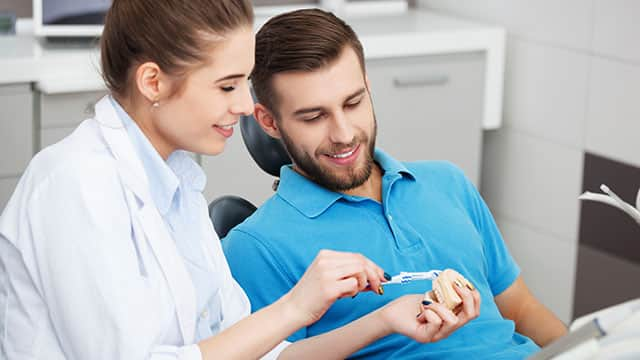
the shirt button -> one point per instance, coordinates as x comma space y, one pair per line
390, 217
204, 314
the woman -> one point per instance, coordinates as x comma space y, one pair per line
106, 246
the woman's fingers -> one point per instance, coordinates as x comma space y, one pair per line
470, 302
449, 321
432, 326
369, 275
336, 266
476, 301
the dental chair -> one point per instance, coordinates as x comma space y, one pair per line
228, 211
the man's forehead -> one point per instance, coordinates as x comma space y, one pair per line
333, 82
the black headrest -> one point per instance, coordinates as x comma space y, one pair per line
267, 152
228, 211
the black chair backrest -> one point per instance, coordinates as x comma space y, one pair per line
228, 211
267, 152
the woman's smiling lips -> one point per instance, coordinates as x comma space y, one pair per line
225, 130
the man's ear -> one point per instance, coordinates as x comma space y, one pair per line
266, 120
150, 81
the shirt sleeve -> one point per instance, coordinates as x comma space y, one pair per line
502, 270
86, 267
258, 271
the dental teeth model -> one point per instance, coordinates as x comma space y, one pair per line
614, 200
443, 291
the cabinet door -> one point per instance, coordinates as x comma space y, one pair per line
430, 107
61, 113
16, 129
67, 109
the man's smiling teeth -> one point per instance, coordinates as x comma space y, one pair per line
343, 155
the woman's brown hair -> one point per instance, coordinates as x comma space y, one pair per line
175, 34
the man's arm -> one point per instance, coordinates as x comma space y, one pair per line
531, 317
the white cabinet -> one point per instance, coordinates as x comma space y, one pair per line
7, 185
16, 136
430, 108
16, 128
59, 114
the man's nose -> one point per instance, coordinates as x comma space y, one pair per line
341, 131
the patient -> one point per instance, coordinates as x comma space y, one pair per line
342, 193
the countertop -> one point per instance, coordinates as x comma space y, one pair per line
74, 68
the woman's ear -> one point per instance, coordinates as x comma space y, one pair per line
266, 120
149, 82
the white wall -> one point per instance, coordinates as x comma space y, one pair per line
571, 85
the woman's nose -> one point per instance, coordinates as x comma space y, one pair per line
244, 104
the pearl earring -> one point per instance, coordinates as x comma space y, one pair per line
155, 104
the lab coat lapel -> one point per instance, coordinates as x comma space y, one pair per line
163, 246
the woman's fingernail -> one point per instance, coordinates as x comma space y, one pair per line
426, 302
387, 276
458, 284
380, 290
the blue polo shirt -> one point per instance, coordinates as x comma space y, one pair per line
431, 217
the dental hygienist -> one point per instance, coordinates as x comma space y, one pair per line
106, 248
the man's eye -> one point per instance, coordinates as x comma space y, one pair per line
228, 88
312, 118
353, 104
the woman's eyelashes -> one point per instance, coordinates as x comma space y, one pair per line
227, 88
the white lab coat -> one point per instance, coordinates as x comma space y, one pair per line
87, 267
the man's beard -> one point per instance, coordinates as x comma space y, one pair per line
328, 178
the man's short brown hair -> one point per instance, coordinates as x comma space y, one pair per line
302, 40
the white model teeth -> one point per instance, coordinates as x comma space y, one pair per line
343, 155
226, 127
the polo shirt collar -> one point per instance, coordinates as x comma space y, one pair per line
391, 166
312, 199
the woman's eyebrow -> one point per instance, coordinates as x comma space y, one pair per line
231, 77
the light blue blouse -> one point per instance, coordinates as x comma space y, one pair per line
176, 188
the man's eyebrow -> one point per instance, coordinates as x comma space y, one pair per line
356, 94
319, 108
231, 77
307, 110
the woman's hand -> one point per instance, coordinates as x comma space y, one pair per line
331, 276
434, 321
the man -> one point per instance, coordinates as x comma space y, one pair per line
343, 194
